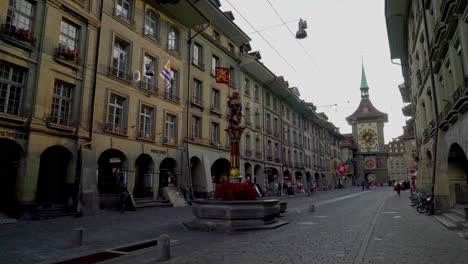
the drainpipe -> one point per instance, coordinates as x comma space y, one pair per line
436, 110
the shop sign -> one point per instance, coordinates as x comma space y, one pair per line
114, 160
13, 135
159, 152
268, 170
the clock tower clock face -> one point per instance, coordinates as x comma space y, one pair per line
368, 137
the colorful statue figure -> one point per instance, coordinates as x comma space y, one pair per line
235, 109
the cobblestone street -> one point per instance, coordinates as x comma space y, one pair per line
349, 226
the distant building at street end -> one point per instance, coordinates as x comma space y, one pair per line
367, 123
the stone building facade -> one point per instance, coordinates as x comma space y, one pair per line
434, 67
83, 110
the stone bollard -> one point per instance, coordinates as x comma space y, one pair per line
77, 237
312, 208
163, 248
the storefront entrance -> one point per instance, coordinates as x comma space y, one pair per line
167, 176
220, 172
112, 171
54, 168
144, 168
10, 159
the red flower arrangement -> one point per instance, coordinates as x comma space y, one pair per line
20, 34
68, 53
259, 126
235, 191
249, 122
247, 92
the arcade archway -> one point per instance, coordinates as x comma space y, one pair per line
9, 166
198, 181
457, 172
167, 176
52, 184
144, 168
112, 171
248, 173
220, 171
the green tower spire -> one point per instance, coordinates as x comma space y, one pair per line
364, 86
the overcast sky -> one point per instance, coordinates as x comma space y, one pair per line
340, 32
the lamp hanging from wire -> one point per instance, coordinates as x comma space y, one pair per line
301, 33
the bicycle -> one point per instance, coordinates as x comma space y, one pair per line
426, 205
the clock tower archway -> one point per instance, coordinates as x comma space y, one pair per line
367, 123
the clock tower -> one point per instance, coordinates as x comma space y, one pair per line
367, 123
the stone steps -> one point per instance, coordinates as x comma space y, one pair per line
449, 225
149, 202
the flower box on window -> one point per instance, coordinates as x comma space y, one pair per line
258, 154
247, 92
259, 126
146, 136
116, 128
22, 37
248, 122
67, 54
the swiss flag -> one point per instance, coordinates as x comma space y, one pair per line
341, 168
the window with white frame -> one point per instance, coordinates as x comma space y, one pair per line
120, 59
247, 86
231, 48
115, 114
197, 55
11, 88
215, 99
196, 127
122, 8
216, 36
214, 64
268, 122
197, 92
257, 145
173, 39
276, 150
146, 122
61, 104
257, 92
68, 35
151, 23
171, 92
247, 143
275, 104
170, 129
214, 133
20, 14
267, 99
149, 72
275, 126
257, 119
247, 116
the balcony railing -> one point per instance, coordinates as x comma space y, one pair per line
172, 97
150, 86
120, 74
146, 136
115, 128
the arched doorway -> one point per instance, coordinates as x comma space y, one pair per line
257, 174
167, 176
457, 172
9, 166
198, 181
54, 168
144, 168
248, 173
317, 181
370, 177
220, 171
112, 171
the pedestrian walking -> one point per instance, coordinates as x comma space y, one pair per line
311, 188
398, 188
362, 185
279, 188
293, 189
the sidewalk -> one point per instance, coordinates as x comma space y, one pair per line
49, 241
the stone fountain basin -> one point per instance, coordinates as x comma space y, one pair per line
221, 215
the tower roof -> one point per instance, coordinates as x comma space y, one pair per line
363, 79
366, 111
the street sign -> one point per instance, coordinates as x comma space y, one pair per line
114, 160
